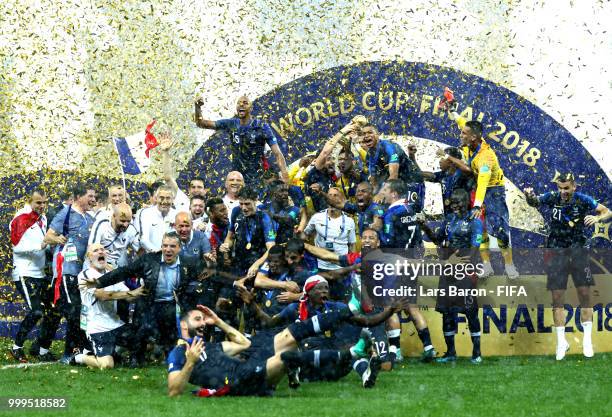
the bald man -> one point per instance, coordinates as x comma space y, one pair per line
99, 317
233, 184
116, 235
248, 139
194, 243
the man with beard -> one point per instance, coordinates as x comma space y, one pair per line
197, 206
28, 229
116, 235
284, 217
217, 228
99, 317
569, 249
157, 220
369, 213
69, 232
215, 368
248, 138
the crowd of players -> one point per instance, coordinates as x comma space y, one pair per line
278, 256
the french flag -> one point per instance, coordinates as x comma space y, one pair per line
134, 150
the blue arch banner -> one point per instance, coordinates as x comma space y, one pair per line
401, 98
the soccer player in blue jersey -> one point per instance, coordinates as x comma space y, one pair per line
371, 242
568, 219
459, 238
215, 366
284, 217
386, 160
401, 229
248, 139
369, 214
450, 177
275, 278
250, 234
315, 304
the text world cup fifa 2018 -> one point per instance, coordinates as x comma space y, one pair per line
412, 269
451, 291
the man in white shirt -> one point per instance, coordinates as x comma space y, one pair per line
334, 231
28, 229
233, 184
99, 317
197, 209
157, 220
116, 235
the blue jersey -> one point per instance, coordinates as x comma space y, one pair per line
251, 235
566, 220
291, 313
197, 246
315, 176
283, 230
307, 267
213, 370
365, 218
247, 145
450, 183
75, 227
385, 153
267, 298
461, 232
400, 228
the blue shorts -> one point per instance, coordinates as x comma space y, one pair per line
497, 218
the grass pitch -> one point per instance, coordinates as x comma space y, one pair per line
509, 386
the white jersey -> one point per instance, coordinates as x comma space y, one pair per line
181, 201
332, 234
98, 316
153, 225
28, 257
116, 245
230, 203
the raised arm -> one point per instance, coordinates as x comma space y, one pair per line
200, 121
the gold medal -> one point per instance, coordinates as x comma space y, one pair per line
268, 303
571, 223
248, 246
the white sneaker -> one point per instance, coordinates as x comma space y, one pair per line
487, 270
511, 271
587, 350
562, 350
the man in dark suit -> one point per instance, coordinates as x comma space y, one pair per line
166, 277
